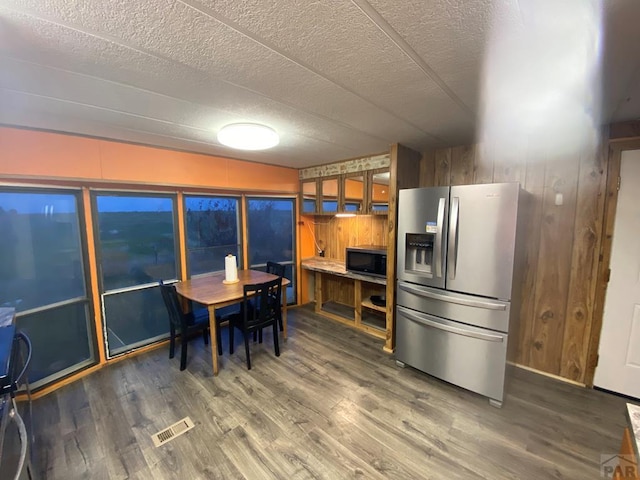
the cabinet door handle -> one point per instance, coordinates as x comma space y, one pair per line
438, 244
452, 299
428, 322
452, 251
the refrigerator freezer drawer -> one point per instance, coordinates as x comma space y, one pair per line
476, 311
472, 358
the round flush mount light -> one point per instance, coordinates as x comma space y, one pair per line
248, 136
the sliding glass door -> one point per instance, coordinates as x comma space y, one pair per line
136, 244
271, 227
42, 275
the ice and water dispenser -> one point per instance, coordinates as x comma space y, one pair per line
419, 252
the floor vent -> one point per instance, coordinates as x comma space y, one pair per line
172, 432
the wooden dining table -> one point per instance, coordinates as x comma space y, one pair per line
210, 290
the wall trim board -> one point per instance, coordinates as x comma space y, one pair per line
77, 183
547, 374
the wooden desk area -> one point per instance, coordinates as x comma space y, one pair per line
210, 291
355, 309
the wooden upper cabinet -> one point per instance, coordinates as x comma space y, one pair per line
329, 195
354, 193
357, 186
379, 191
309, 197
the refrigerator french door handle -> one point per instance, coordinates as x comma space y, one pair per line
427, 321
451, 299
438, 245
452, 249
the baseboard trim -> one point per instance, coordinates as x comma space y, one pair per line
546, 374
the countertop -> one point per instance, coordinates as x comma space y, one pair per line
633, 417
336, 267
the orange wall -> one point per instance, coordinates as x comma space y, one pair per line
34, 154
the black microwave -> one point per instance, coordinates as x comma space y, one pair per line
367, 259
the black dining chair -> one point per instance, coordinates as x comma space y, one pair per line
276, 269
260, 308
185, 323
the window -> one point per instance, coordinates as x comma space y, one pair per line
271, 236
137, 247
42, 275
212, 232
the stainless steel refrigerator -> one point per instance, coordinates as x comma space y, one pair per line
459, 282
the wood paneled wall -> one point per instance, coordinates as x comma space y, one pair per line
334, 235
563, 242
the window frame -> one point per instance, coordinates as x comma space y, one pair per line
87, 300
291, 299
239, 222
102, 293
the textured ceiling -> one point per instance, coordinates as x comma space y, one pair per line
337, 79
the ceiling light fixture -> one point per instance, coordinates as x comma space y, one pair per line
248, 136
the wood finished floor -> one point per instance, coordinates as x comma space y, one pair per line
333, 406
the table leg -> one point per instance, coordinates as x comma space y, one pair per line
284, 313
214, 338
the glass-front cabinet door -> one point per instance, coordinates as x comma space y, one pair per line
379, 195
330, 195
354, 192
309, 191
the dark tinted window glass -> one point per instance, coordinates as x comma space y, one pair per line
309, 205
134, 318
329, 206
41, 266
137, 240
212, 232
59, 337
271, 236
270, 230
40, 254
380, 207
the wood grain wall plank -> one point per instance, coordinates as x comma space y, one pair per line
482, 165
534, 186
442, 171
584, 263
462, 165
379, 231
510, 166
427, 169
364, 225
554, 263
337, 289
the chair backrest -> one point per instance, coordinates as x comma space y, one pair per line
275, 269
261, 303
172, 302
